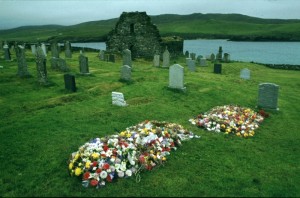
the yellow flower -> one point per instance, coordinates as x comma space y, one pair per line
228, 130
95, 155
238, 134
77, 156
88, 164
223, 126
71, 166
163, 159
78, 171
245, 134
153, 130
128, 135
151, 151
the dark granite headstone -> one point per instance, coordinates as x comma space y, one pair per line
217, 68
70, 82
111, 58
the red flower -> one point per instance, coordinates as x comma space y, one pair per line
86, 175
94, 182
108, 178
98, 170
95, 163
105, 166
103, 155
142, 159
105, 148
149, 167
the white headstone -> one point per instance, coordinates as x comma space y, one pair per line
245, 74
176, 77
33, 49
156, 60
118, 99
44, 49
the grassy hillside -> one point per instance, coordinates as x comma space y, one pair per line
229, 26
42, 126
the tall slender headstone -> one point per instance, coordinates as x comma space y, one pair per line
126, 73
68, 52
43, 46
187, 54
22, 65
193, 56
156, 60
220, 54
127, 57
33, 49
6, 52
83, 64
54, 50
70, 83
212, 57
166, 58
41, 66
102, 55
191, 65
268, 96
176, 77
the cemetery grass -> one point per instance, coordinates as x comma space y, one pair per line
42, 125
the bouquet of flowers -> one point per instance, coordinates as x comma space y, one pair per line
230, 119
122, 155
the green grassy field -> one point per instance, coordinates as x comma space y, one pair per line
42, 126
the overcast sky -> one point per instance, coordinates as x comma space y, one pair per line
15, 13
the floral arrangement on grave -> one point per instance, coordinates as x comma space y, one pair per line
140, 147
230, 119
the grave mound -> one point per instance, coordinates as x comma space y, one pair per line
230, 119
140, 147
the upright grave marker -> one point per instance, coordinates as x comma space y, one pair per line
176, 77
127, 57
203, 62
44, 49
166, 58
118, 99
41, 66
54, 50
156, 60
268, 96
22, 65
68, 52
217, 68
126, 73
193, 56
245, 74
6, 52
83, 64
191, 65
70, 83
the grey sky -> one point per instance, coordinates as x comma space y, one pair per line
15, 13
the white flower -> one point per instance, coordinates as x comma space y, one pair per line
128, 173
103, 174
120, 174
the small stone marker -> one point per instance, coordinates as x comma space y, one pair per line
217, 68
187, 60
127, 57
226, 58
33, 49
102, 55
6, 52
220, 54
68, 52
203, 62
70, 84
59, 64
212, 57
156, 60
118, 99
191, 65
268, 96
193, 56
166, 58
187, 54
126, 73
44, 49
176, 77
83, 65
245, 74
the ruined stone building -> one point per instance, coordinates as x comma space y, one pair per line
136, 32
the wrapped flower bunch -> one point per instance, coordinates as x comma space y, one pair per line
139, 147
230, 119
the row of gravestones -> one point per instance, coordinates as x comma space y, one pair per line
213, 58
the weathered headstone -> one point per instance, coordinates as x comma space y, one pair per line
217, 68
127, 57
212, 57
191, 65
54, 50
268, 96
111, 58
6, 52
22, 65
166, 58
156, 60
118, 99
187, 60
59, 64
102, 55
245, 74
83, 64
176, 77
44, 49
199, 58
70, 83
41, 66
226, 58
126, 73
68, 52
203, 62
220, 54
193, 56
187, 54
33, 49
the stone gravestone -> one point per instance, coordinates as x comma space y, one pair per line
156, 60
68, 52
6, 52
41, 66
187, 60
111, 58
176, 77
191, 65
44, 49
22, 65
220, 54
199, 58
212, 57
102, 55
217, 68
118, 99
203, 62
83, 64
70, 83
193, 56
187, 54
54, 50
125, 73
268, 96
59, 64
245, 74
166, 58
226, 58
33, 49
127, 57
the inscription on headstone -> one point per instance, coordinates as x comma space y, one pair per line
268, 96
70, 83
176, 77
118, 99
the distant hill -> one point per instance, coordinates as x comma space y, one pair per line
213, 26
